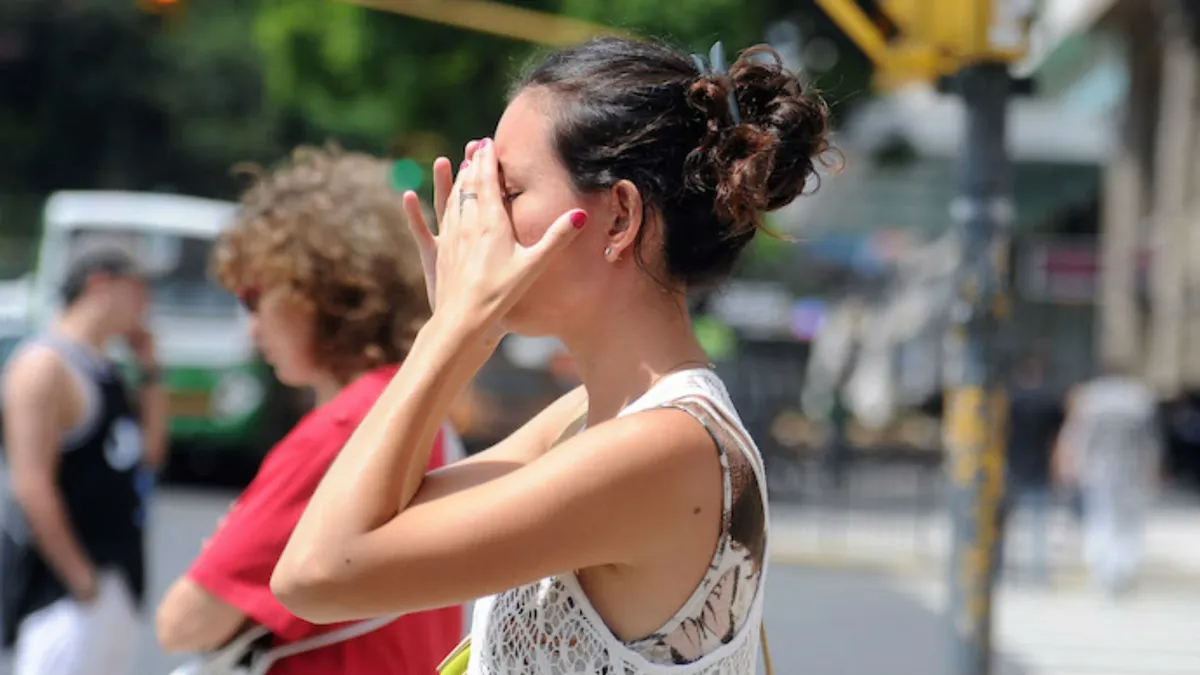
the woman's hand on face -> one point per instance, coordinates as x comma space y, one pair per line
480, 270
443, 183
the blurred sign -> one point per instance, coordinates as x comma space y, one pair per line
1065, 271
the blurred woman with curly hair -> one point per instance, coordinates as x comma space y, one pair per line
321, 258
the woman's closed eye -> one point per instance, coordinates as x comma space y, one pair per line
510, 195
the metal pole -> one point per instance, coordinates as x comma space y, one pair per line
975, 402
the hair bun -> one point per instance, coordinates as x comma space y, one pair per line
765, 162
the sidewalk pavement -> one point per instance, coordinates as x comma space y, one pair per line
1075, 632
917, 544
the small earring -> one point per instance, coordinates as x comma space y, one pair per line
607, 251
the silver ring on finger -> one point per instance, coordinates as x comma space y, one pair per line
464, 197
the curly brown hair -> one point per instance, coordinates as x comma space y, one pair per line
328, 224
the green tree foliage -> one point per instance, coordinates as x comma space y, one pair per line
102, 95
99, 94
371, 75
386, 80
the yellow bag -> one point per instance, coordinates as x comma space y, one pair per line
456, 661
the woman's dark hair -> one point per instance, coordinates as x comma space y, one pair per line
641, 111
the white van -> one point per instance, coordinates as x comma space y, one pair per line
15, 296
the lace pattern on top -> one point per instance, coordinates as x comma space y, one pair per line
550, 626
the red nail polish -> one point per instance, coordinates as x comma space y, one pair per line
483, 143
463, 165
579, 219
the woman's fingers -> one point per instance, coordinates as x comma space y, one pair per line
454, 180
463, 184
416, 223
443, 180
426, 242
560, 234
487, 175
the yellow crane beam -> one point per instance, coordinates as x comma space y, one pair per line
497, 18
936, 37
859, 28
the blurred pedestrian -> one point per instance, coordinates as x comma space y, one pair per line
1111, 448
623, 529
321, 258
1034, 420
78, 444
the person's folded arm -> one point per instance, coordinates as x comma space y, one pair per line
227, 586
603, 497
190, 619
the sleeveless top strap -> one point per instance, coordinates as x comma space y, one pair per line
88, 372
77, 356
722, 603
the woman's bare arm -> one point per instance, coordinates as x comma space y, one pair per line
489, 524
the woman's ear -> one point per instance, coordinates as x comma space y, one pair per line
627, 210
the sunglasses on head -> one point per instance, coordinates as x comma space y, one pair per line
249, 298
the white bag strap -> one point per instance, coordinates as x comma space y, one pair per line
354, 630
225, 660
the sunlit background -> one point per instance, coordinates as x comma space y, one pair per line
833, 330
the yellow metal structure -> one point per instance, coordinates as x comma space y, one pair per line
497, 18
934, 37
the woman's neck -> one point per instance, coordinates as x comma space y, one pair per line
623, 355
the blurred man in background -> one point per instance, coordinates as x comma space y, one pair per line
77, 444
1035, 418
1111, 449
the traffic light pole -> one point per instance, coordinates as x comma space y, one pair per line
975, 403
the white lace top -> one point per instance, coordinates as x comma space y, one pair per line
550, 628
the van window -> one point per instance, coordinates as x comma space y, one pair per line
180, 263
187, 287
7, 344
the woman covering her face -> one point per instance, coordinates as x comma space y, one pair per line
624, 528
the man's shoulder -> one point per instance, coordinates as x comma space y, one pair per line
34, 367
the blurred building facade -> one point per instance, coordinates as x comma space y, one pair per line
1136, 63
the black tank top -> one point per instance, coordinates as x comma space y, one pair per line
100, 475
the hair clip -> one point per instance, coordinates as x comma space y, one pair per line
717, 65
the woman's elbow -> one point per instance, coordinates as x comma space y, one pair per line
306, 590
178, 631
169, 632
